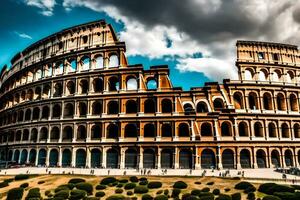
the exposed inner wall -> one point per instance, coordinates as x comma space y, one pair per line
71, 99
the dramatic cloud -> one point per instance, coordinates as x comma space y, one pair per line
178, 30
45, 5
23, 35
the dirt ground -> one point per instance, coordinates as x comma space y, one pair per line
52, 181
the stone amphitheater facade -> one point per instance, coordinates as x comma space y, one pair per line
72, 100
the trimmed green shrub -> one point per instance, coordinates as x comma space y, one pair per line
85, 186
61, 187
24, 185
287, 195
3, 184
197, 182
129, 193
250, 189
243, 185
134, 179
119, 185
159, 192
180, 185
207, 198
140, 189
76, 180
161, 197
207, 195
251, 196
210, 183
154, 184
123, 181
114, 183
271, 188
216, 192
119, 191
223, 197
143, 179
228, 189
41, 182
144, 182
206, 189
188, 196
166, 192
175, 192
236, 196
116, 197
108, 180
271, 197
100, 187
77, 194
9, 180
133, 198
15, 194
91, 198
196, 192
62, 193
129, 186
297, 187
100, 194
33, 193
21, 177
147, 197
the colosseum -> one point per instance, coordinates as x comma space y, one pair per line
72, 100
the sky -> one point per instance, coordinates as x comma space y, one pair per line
195, 38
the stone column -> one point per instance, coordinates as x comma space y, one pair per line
73, 161
88, 158
176, 158
47, 157
59, 163
219, 158
141, 158
158, 163
104, 164
216, 127
122, 156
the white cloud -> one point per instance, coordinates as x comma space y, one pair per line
46, 6
23, 35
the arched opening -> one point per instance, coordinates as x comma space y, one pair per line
113, 61
82, 109
149, 130
85, 63
293, 102
98, 85
238, 100
66, 158
112, 131
97, 108
296, 130
272, 130
131, 106
280, 102
113, 84
70, 88
150, 106
166, 130
131, 84
131, 130
42, 157
267, 101
16, 156
43, 134
30, 95
113, 107
58, 90
228, 159
289, 77
53, 158
33, 135
252, 100
275, 159
25, 135
18, 136
243, 129
218, 104
56, 111
96, 158
183, 130
23, 96
185, 159
99, 62
167, 158
285, 131
80, 158
208, 159
69, 110
166, 106
32, 156
59, 68
245, 158
276, 76
112, 159
261, 159
149, 159
81, 132
206, 129
248, 75
72, 65
226, 129
96, 132
151, 84
202, 107
23, 157
28, 115
258, 129
188, 109
45, 112
20, 115
262, 76
54, 134
84, 86
67, 133
46, 91
131, 158
288, 158
38, 93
